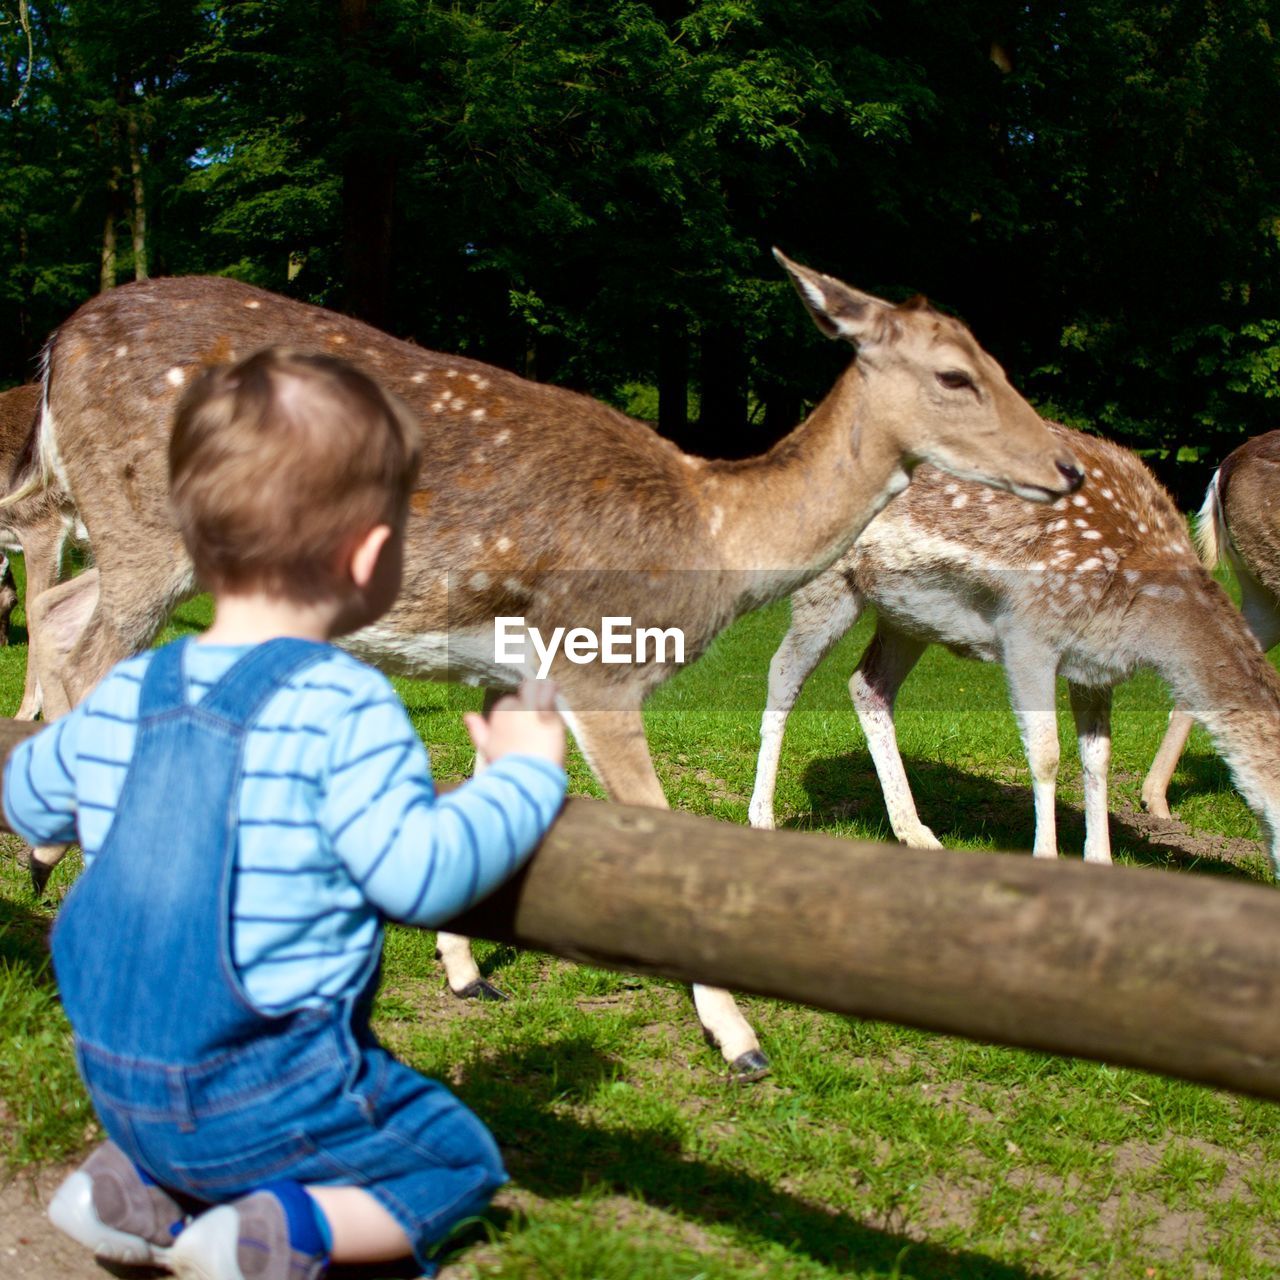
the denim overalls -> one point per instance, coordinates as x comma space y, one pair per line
211, 1097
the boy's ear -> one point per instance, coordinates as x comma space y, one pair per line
364, 557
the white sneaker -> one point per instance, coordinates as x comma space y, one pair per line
108, 1208
245, 1240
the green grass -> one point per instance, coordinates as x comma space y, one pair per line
872, 1151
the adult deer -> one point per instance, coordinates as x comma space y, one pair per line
537, 502
38, 523
1237, 527
1090, 587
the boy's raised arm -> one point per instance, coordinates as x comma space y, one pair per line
39, 784
419, 857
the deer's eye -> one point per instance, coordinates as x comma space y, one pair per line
956, 380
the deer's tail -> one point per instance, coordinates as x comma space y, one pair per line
1211, 527
33, 468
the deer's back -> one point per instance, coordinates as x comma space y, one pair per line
555, 476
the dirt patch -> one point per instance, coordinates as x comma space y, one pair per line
958, 1096
31, 1248
1170, 836
716, 789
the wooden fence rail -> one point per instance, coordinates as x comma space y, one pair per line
1173, 973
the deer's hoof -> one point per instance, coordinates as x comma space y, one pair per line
922, 838
481, 990
1157, 807
749, 1067
39, 873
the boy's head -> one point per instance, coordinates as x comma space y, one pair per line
280, 464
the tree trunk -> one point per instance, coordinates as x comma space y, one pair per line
368, 180
25, 337
139, 197
107, 269
781, 413
673, 378
722, 418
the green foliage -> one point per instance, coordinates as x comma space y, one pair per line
566, 186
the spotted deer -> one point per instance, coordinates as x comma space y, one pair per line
38, 524
1090, 587
1237, 527
535, 501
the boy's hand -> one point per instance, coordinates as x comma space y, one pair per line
525, 723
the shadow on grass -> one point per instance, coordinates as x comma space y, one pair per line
960, 807
1198, 772
555, 1155
24, 939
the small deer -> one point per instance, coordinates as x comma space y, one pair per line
1237, 527
1091, 587
37, 524
534, 501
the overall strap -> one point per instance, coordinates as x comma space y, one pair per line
238, 696
162, 684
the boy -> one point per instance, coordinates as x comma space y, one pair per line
251, 806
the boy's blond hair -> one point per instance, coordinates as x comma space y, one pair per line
280, 463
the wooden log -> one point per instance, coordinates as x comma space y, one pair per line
13, 732
1172, 973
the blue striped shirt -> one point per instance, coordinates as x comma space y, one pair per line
340, 825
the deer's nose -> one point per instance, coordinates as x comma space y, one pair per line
1072, 474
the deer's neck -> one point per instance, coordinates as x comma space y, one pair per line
782, 518
1217, 672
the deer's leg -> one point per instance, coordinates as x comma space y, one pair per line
139, 583
1262, 613
8, 598
42, 544
1091, 708
454, 951
1031, 671
615, 747
55, 619
461, 971
1155, 786
887, 662
820, 614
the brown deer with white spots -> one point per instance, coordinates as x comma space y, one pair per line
1090, 587
536, 502
37, 524
1239, 527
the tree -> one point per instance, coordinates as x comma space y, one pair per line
587, 192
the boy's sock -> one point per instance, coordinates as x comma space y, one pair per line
277, 1233
308, 1227
115, 1208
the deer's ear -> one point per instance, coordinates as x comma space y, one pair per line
838, 310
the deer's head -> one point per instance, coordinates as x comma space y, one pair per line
934, 394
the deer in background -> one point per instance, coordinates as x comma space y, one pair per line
1237, 527
1090, 587
38, 524
534, 501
